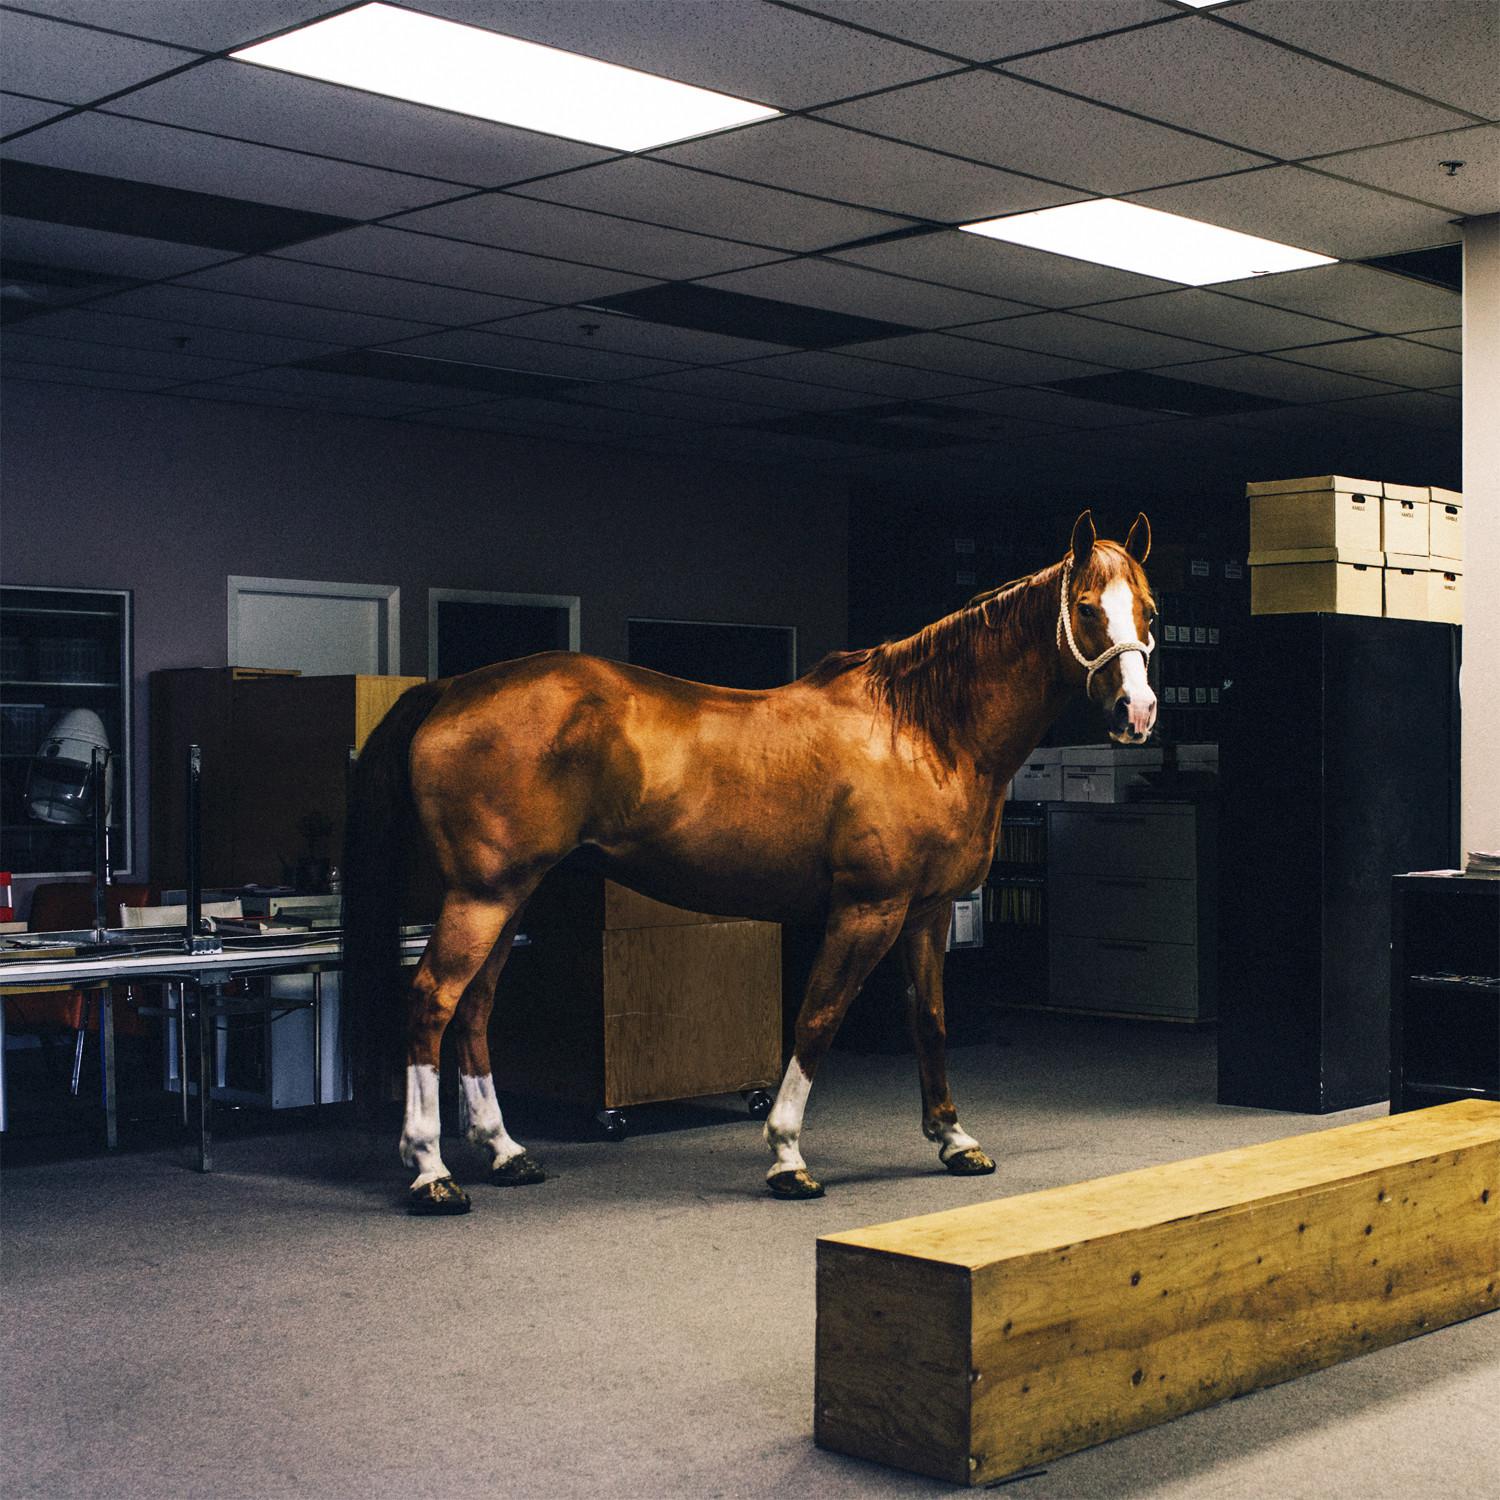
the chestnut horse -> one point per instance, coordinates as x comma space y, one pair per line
865, 796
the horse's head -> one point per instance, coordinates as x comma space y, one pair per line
1105, 617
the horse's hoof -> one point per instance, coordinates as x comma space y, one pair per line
441, 1196
970, 1163
795, 1184
518, 1171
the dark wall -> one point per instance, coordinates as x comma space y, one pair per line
168, 497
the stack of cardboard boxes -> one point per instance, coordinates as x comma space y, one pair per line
1356, 547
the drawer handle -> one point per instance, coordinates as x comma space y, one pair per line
1126, 947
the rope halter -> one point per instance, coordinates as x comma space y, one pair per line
1065, 633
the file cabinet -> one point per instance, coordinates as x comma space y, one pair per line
1132, 909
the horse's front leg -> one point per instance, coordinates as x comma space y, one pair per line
857, 937
922, 950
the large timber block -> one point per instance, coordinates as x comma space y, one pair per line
970, 1344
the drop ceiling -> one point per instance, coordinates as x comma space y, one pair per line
794, 290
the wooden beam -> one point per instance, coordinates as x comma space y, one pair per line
970, 1344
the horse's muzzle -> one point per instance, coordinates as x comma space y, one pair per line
1132, 717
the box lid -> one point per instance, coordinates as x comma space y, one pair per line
1406, 492
1319, 482
1447, 497
1408, 562
1317, 555
1445, 565
1097, 757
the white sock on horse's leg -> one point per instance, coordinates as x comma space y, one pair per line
952, 1139
784, 1123
419, 1134
486, 1126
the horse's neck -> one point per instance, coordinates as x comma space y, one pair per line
1020, 687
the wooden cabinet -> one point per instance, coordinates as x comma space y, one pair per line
275, 754
1131, 909
1445, 989
619, 1000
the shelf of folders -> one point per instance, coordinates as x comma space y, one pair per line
1018, 876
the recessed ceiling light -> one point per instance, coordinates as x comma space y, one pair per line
386, 50
1131, 237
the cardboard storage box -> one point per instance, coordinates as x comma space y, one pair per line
1445, 524
1316, 580
1105, 773
1040, 779
1406, 587
1330, 511
1445, 592
1403, 520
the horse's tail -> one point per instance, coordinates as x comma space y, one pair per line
378, 835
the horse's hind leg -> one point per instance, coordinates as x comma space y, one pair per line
858, 935
922, 947
510, 1163
466, 933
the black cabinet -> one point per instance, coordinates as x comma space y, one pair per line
1445, 989
1339, 769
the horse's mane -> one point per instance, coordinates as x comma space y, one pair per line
928, 680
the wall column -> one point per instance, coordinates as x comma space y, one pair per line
1481, 457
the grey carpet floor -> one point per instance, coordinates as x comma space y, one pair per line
639, 1326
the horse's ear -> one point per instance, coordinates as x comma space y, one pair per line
1138, 543
1083, 538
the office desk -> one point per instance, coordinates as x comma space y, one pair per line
199, 980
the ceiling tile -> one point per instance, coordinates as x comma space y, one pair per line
852, 289
584, 328
387, 395
1309, 210
192, 305
1421, 408
1445, 49
281, 109
979, 360
1195, 313
167, 364
1261, 375
111, 380
844, 372
1278, 102
738, 384
17, 111
240, 347
1360, 295
51, 60
1083, 338
363, 405
190, 23
1012, 124
999, 270
1440, 338
741, 47
275, 277
1413, 168
470, 346
489, 417
424, 257
662, 193
984, 30
141, 152
537, 228
1391, 359
636, 397
98, 250
812, 156
577, 417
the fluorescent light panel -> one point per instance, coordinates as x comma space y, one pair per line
405, 55
1132, 237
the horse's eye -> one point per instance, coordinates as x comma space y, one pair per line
1087, 611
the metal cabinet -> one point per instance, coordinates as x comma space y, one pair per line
1132, 909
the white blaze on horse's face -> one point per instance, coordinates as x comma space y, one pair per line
1132, 714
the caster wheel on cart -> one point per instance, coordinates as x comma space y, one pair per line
758, 1102
613, 1124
